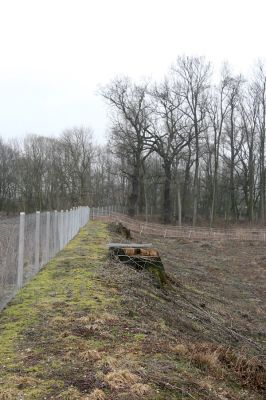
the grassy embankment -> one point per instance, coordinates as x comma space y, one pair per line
86, 328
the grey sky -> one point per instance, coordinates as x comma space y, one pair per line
54, 53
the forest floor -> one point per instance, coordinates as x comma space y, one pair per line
90, 328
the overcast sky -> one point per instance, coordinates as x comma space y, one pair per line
54, 53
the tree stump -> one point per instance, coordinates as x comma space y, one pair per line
141, 257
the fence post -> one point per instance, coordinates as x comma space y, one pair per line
37, 242
72, 223
61, 230
47, 240
66, 228
55, 232
21, 250
75, 219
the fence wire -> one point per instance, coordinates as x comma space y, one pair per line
28, 242
9, 238
117, 214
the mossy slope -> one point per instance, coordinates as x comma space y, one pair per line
42, 326
87, 329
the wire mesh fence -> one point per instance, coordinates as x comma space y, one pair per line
28, 242
117, 214
9, 240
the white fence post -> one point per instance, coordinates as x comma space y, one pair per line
67, 227
47, 237
21, 250
71, 223
75, 220
61, 230
37, 242
55, 227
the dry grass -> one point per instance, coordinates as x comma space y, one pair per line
96, 394
121, 379
120, 337
90, 355
108, 363
69, 394
141, 390
8, 394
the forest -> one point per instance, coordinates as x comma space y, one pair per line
189, 149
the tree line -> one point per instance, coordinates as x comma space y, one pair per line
46, 173
184, 150
190, 149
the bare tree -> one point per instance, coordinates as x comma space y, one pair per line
218, 110
193, 74
130, 123
168, 137
78, 159
260, 87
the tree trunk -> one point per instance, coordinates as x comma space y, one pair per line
196, 184
186, 186
179, 204
232, 166
214, 185
133, 197
141, 197
262, 160
167, 194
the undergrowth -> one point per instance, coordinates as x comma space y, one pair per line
89, 328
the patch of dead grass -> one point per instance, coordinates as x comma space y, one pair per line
121, 379
89, 355
140, 390
8, 394
108, 363
96, 394
70, 394
207, 356
22, 382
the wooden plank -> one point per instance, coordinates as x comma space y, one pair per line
129, 245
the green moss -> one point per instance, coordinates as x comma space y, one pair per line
31, 340
139, 336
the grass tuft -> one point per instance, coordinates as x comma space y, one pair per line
121, 379
96, 394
